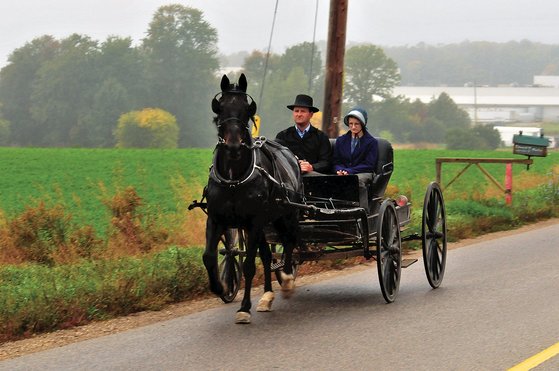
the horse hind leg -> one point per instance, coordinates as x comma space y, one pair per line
287, 230
287, 284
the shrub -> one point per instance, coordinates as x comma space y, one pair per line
132, 232
149, 128
39, 231
479, 137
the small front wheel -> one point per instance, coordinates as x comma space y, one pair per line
230, 272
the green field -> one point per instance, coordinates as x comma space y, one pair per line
80, 179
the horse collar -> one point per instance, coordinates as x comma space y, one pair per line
237, 182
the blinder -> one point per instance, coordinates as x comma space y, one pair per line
215, 102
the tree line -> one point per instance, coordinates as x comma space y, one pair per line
73, 91
482, 62
369, 78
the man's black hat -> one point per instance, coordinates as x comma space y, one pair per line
303, 100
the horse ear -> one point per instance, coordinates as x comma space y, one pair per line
224, 83
252, 109
243, 83
215, 106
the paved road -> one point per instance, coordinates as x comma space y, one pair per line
497, 306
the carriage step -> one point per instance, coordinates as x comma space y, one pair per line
276, 266
407, 262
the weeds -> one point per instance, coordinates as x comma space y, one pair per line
35, 298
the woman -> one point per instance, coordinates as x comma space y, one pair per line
356, 151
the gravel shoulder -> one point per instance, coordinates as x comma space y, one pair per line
96, 329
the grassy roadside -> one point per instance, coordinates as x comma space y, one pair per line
35, 298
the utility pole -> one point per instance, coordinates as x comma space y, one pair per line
335, 52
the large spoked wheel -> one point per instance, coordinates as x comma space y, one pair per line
277, 264
230, 267
434, 235
389, 251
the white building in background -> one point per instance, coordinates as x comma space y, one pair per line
547, 81
496, 104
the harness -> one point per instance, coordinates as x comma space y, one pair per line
258, 144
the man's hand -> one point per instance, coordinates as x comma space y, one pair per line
342, 172
305, 166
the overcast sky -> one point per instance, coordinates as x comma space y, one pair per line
246, 24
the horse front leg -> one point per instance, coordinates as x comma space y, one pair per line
213, 235
249, 269
265, 303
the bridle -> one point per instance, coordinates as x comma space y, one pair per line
221, 122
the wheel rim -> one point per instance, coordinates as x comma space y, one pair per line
230, 275
389, 252
434, 235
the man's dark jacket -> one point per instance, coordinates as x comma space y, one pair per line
314, 147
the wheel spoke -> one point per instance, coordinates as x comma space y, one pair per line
387, 276
383, 253
435, 264
438, 221
395, 273
435, 260
428, 251
431, 213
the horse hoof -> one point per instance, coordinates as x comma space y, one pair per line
265, 303
242, 318
287, 285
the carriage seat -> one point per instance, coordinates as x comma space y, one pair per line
384, 168
347, 187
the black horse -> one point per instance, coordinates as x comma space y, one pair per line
250, 185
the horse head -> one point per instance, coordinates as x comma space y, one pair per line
233, 110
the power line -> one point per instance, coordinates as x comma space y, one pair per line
267, 56
312, 46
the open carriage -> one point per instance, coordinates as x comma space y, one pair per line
334, 226
255, 188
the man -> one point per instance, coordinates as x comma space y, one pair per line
310, 145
